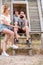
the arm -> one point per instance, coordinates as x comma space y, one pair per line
8, 24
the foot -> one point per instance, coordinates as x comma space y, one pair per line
14, 46
28, 42
4, 54
17, 41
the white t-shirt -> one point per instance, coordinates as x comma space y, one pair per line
5, 18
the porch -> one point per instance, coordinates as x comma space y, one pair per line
32, 8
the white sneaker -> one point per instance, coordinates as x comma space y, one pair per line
4, 54
14, 46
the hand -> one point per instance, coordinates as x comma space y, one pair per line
16, 27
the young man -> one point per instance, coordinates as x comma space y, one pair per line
16, 16
23, 25
15, 22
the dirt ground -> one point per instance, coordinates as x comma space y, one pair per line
22, 60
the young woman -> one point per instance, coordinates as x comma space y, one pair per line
4, 27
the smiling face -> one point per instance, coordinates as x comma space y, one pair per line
22, 13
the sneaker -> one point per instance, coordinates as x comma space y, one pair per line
4, 54
17, 41
14, 46
28, 42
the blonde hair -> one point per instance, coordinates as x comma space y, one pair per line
4, 8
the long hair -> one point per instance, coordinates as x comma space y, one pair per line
4, 8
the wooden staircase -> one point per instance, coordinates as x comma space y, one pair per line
23, 49
34, 15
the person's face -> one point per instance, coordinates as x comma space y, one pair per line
16, 13
22, 13
7, 11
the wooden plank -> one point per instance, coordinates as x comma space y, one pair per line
35, 32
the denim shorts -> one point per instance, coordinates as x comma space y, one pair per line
3, 26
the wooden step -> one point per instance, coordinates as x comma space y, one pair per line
22, 39
22, 50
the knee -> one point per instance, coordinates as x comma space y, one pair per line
27, 28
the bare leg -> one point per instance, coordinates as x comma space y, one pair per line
11, 33
15, 30
7, 33
5, 42
27, 31
27, 34
16, 34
